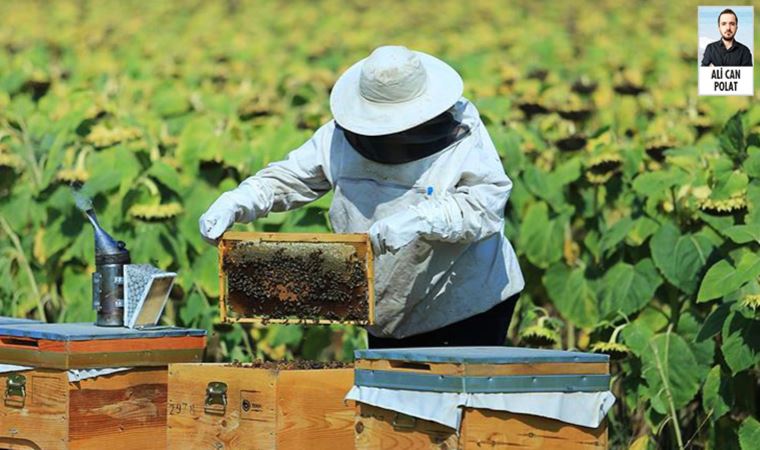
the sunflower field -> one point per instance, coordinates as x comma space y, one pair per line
635, 210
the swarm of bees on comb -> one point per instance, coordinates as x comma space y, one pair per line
298, 364
298, 281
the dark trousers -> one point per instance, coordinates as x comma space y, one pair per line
488, 328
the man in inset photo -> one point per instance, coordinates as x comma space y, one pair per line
727, 51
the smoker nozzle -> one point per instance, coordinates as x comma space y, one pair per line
106, 247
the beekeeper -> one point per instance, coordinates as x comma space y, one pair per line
411, 163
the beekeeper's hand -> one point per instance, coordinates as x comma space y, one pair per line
394, 232
218, 218
250, 200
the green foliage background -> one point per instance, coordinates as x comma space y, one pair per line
635, 210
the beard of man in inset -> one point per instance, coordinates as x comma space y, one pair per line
727, 27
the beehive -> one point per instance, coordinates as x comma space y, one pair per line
478, 370
296, 278
42, 409
51, 406
218, 406
84, 345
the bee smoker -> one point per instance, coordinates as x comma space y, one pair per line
108, 279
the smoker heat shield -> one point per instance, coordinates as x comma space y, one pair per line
146, 291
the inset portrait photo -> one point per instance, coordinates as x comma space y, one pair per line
726, 53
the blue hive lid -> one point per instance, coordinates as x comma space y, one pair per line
89, 331
480, 355
13, 321
424, 380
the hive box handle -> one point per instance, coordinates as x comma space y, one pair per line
216, 398
15, 390
409, 365
19, 342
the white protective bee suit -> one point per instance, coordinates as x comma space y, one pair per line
436, 223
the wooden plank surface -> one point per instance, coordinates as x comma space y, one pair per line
293, 321
34, 358
57, 360
190, 426
412, 367
139, 344
41, 420
348, 238
125, 410
266, 409
18, 444
222, 283
311, 412
370, 261
501, 430
34, 344
378, 428
538, 369
484, 369
103, 345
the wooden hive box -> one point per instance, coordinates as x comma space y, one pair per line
318, 278
42, 409
218, 406
84, 345
57, 396
477, 370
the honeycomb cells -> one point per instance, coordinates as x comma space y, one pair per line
303, 282
297, 364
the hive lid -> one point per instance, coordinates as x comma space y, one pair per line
88, 331
482, 370
480, 355
13, 320
85, 345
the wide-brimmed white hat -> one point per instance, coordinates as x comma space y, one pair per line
392, 90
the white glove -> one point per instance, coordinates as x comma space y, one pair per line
243, 204
396, 231
218, 218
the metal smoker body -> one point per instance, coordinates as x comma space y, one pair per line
108, 279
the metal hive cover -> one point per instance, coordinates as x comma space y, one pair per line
480, 355
14, 320
89, 331
592, 377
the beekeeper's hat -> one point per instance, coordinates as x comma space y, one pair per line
392, 90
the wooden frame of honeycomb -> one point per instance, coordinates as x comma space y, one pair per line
296, 278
